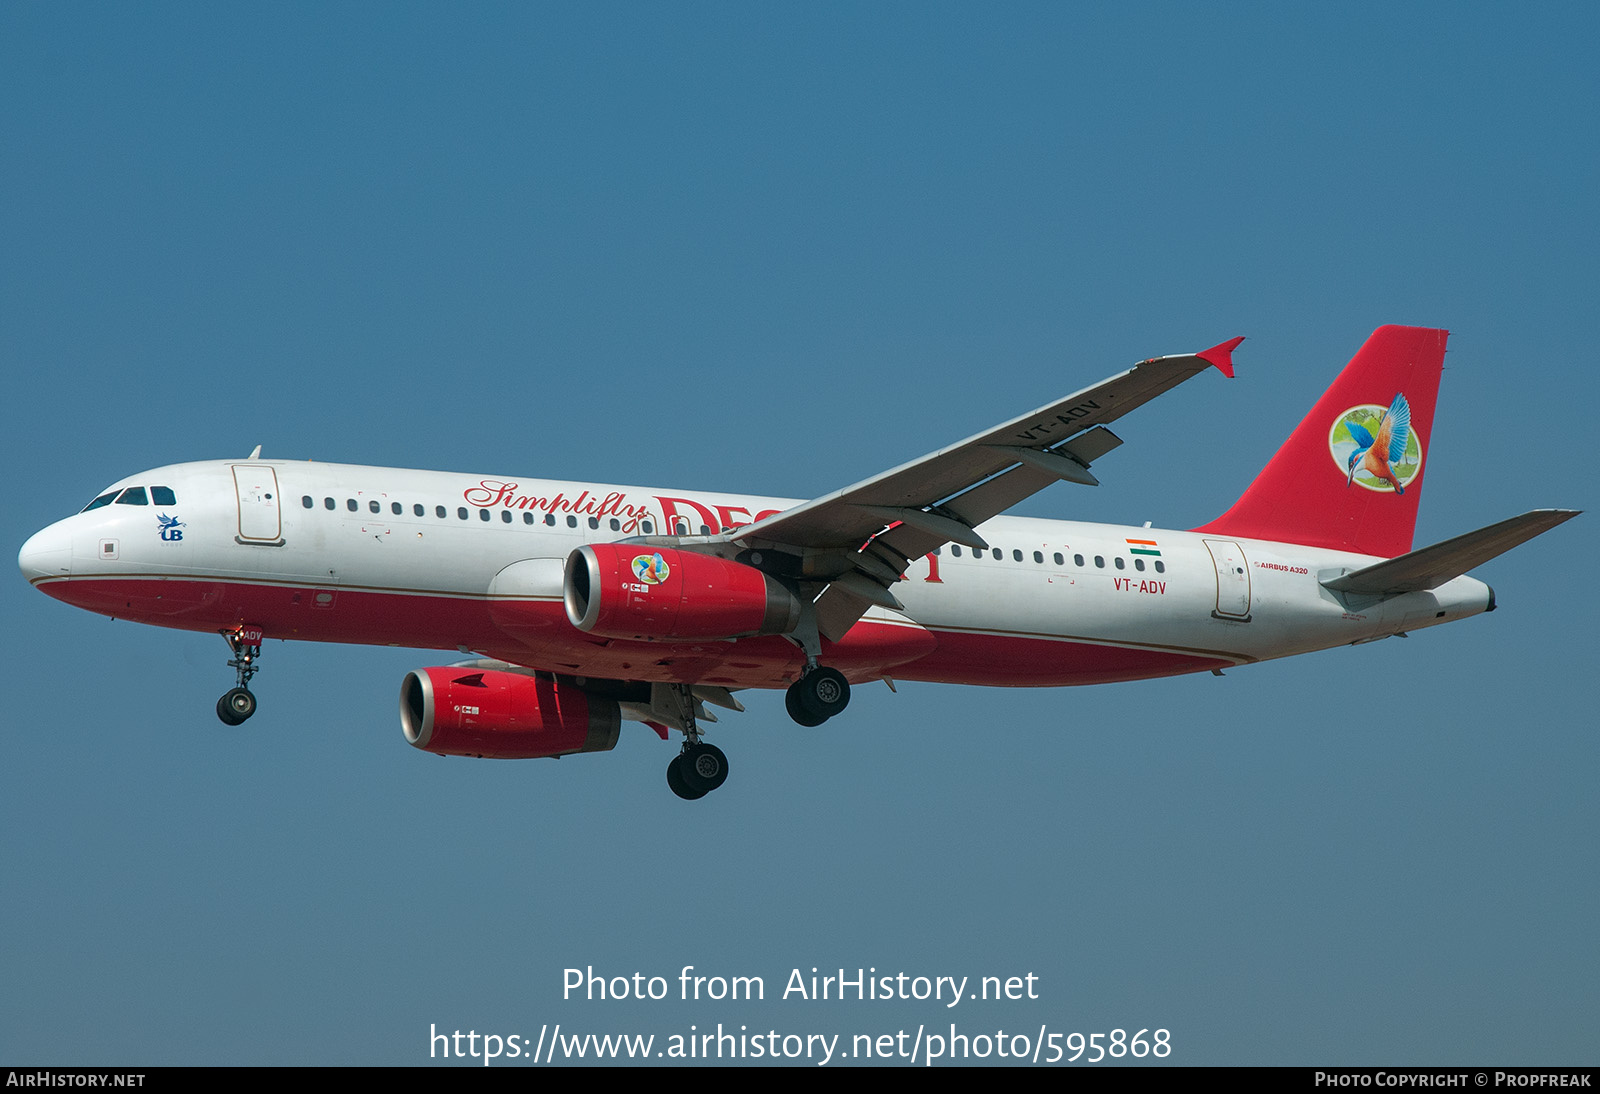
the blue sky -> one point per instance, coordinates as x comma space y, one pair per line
774, 250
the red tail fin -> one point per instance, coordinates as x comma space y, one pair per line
1350, 476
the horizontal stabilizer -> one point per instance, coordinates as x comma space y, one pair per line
1431, 567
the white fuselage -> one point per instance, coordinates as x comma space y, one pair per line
346, 553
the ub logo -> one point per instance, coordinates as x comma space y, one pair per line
171, 527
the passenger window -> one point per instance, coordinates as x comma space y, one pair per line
616, 525
527, 517
1161, 568
461, 512
133, 495
1059, 560
103, 499
997, 555
163, 495
418, 510
550, 519
1038, 556
1016, 556
350, 504
1138, 564
505, 516
572, 522
1121, 565
327, 503
594, 522
307, 502
483, 514
1100, 562
440, 511
955, 550
648, 528
394, 507
374, 506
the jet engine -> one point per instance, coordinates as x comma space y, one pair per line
619, 590
503, 715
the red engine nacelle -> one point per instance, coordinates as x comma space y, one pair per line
503, 715
623, 591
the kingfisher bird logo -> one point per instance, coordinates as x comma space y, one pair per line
1376, 448
171, 527
651, 569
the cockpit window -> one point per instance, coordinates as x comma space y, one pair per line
134, 495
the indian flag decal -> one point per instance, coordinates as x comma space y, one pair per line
1143, 547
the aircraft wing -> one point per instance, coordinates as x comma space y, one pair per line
873, 529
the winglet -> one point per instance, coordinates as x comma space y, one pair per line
1221, 356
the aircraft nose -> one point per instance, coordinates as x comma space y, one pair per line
47, 554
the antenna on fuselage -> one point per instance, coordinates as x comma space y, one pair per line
255, 453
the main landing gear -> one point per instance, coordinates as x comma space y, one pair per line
820, 692
700, 768
697, 770
818, 695
238, 703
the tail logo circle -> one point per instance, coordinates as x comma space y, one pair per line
1376, 448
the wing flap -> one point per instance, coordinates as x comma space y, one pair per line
838, 608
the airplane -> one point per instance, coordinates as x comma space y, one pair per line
579, 605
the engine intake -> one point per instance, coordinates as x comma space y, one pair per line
503, 715
621, 591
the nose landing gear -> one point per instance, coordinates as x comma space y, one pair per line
238, 703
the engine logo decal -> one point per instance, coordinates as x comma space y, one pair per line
651, 569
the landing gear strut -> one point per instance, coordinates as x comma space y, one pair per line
700, 768
238, 703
